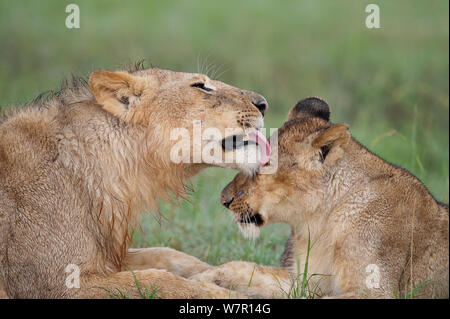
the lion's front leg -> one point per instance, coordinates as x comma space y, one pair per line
149, 283
249, 278
168, 259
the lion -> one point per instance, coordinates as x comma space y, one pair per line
366, 228
78, 166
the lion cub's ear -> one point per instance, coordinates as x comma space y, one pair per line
113, 90
310, 107
332, 142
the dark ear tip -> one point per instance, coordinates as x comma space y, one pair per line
311, 107
312, 99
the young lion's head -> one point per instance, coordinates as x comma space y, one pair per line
308, 148
170, 105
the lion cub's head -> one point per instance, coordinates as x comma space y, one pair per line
309, 146
171, 105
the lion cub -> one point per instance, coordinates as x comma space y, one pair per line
375, 230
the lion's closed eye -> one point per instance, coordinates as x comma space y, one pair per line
202, 86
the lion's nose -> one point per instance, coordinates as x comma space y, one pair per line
227, 203
261, 103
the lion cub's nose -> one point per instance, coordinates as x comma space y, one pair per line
261, 103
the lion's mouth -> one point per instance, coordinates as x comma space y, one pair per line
247, 218
235, 142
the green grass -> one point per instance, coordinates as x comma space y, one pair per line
390, 85
300, 287
414, 292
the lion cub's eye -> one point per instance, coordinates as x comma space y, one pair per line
201, 86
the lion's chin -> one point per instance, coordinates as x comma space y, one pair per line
249, 230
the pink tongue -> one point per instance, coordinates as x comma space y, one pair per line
264, 145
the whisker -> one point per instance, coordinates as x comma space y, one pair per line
209, 68
221, 73
204, 68
215, 71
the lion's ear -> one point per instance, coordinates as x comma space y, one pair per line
310, 107
332, 142
113, 90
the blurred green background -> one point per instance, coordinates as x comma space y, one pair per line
390, 84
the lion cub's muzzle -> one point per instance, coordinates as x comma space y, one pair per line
242, 216
249, 217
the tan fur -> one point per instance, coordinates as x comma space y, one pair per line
78, 167
165, 258
357, 209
